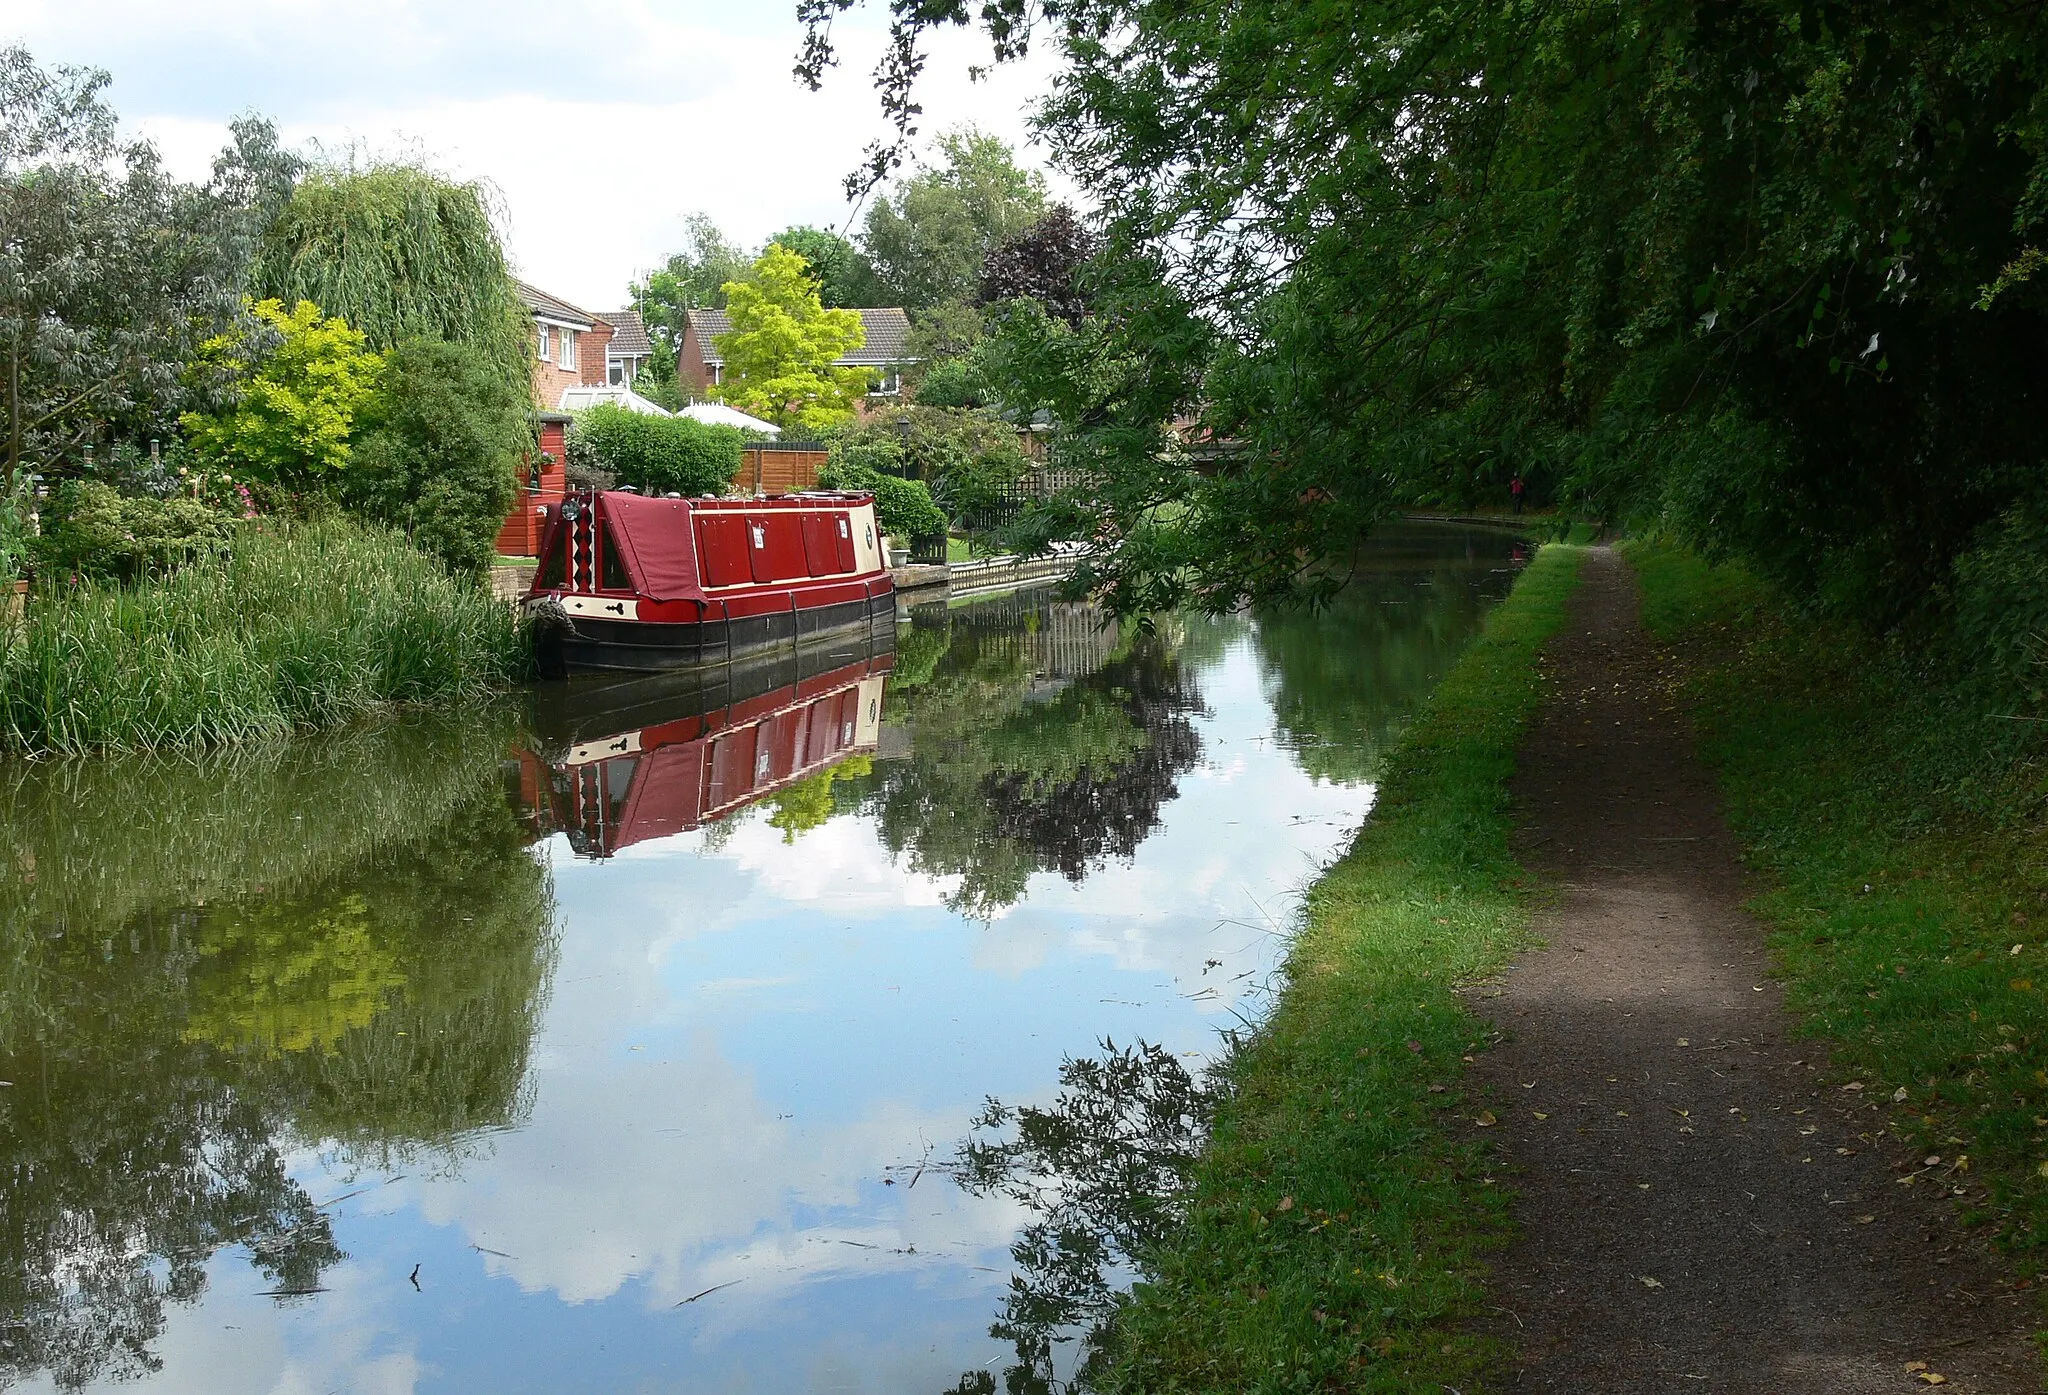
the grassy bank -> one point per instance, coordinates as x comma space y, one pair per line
1333, 1226
294, 628
1897, 820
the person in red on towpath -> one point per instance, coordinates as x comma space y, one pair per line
1515, 487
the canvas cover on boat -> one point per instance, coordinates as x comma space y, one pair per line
654, 534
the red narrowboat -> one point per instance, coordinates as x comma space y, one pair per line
608, 787
632, 583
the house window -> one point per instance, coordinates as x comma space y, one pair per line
568, 359
541, 333
614, 372
888, 384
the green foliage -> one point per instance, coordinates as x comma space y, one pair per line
839, 271
298, 382
966, 458
111, 272
91, 531
903, 507
928, 239
1901, 848
2000, 591
17, 528
779, 355
1645, 257
293, 627
692, 279
400, 253
808, 803
952, 382
1327, 1186
438, 451
656, 455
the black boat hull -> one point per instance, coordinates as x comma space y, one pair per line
569, 645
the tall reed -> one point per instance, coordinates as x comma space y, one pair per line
296, 627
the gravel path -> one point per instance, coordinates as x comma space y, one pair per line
1697, 1211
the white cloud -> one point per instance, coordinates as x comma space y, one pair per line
601, 125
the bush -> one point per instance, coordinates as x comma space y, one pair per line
656, 455
904, 507
953, 382
289, 628
92, 531
2001, 608
967, 458
438, 451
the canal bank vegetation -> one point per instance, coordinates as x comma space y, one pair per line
285, 627
1332, 1230
1893, 799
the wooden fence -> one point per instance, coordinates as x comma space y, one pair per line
778, 469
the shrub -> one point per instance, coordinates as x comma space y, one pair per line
291, 627
92, 531
299, 381
438, 451
904, 507
2001, 608
656, 455
953, 382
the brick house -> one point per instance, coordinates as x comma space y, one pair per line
571, 348
699, 362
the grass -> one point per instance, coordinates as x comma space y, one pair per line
1334, 1229
1905, 871
298, 627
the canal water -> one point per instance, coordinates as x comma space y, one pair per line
628, 1040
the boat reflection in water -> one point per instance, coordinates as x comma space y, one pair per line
614, 762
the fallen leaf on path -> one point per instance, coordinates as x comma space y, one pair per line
1541, 1115
1899, 1095
1865, 1220
1414, 1045
1681, 1113
1931, 1378
1286, 1204
1853, 1085
1486, 1119
1649, 1282
1436, 1089
1683, 1042
1912, 1366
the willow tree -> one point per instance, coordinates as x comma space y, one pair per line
401, 253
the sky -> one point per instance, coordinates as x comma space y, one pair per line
600, 126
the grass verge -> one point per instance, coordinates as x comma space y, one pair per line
1905, 872
1333, 1230
296, 627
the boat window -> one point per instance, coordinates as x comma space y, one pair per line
554, 568
616, 578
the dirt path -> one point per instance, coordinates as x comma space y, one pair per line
1696, 1213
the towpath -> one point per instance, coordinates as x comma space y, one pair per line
1698, 1208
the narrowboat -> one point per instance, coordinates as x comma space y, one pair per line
634, 583
607, 785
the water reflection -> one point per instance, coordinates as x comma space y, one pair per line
592, 1011
1037, 736
209, 964
614, 763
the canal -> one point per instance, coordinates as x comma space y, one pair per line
629, 1040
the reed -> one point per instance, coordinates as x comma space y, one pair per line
294, 627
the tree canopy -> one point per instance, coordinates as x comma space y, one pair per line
400, 253
1765, 271
928, 238
779, 355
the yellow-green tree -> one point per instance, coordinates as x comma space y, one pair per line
779, 356
299, 380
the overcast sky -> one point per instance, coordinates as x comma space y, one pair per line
601, 126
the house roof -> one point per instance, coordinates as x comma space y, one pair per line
718, 414
629, 334
550, 307
888, 339
577, 399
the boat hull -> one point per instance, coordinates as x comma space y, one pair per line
566, 646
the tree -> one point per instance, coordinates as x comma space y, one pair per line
692, 279
401, 253
438, 451
842, 275
299, 380
928, 239
779, 355
1042, 263
111, 272
1749, 269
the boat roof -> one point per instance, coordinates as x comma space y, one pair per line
654, 533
